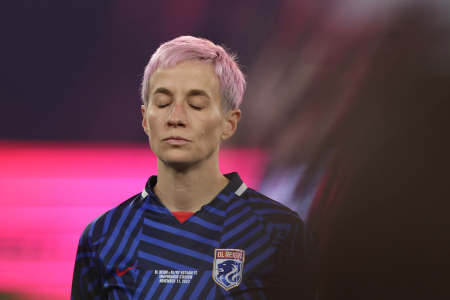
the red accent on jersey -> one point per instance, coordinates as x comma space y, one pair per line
121, 273
182, 216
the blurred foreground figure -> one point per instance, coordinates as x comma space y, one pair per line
193, 233
361, 146
381, 208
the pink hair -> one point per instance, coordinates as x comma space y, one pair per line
232, 80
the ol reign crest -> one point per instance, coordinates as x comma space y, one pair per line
228, 267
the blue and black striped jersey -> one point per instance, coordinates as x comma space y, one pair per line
242, 245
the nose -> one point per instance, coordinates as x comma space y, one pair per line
177, 117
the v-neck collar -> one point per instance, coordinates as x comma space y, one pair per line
235, 186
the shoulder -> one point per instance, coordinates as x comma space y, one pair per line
104, 223
269, 209
278, 219
297, 255
260, 204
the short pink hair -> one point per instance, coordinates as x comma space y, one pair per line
232, 80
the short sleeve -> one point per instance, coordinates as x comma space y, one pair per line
86, 282
298, 268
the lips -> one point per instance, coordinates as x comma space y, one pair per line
176, 141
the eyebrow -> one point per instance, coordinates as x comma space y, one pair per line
162, 91
199, 93
195, 92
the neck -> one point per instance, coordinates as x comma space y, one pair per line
190, 188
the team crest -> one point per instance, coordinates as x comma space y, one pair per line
228, 267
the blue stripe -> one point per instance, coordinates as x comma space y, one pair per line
112, 239
142, 284
244, 289
85, 254
152, 289
156, 208
260, 285
215, 211
164, 262
269, 201
284, 226
132, 250
238, 229
275, 211
123, 286
258, 259
205, 224
203, 281
269, 228
166, 291
226, 294
84, 271
225, 197
179, 249
267, 270
124, 241
236, 204
180, 232
138, 196
181, 291
115, 295
99, 241
234, 218
105, 283
256, 245
212, 293
246, 236
108, 220
91, 230
92, 285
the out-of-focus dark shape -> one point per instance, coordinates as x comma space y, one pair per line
381, 209
362, 146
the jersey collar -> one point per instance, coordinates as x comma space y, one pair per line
236, 185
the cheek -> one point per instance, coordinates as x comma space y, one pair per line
152, 122
211, 130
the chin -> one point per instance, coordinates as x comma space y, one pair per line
178, 162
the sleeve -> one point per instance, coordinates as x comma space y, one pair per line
298, 269
86, 284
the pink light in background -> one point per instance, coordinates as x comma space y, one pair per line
50, 191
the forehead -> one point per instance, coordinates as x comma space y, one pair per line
189, 74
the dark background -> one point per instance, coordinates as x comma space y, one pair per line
72, 70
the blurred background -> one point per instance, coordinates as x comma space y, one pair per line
345, 120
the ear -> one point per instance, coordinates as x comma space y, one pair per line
144, 119
231, 120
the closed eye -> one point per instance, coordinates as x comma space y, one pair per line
163, 105
195, 107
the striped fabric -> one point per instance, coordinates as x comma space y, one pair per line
139, 250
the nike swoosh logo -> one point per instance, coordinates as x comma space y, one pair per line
121, 273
